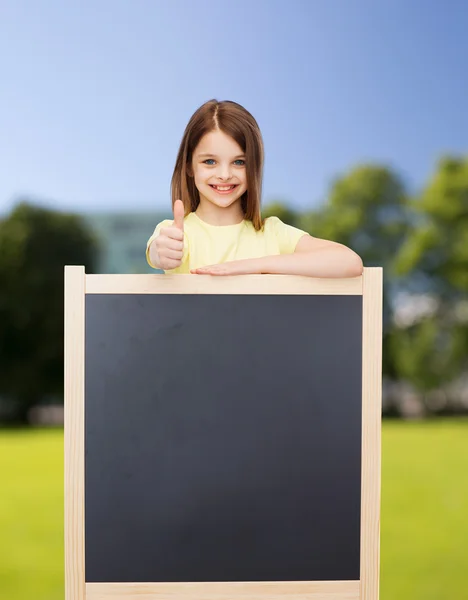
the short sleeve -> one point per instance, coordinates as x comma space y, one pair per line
156, 232
287, 235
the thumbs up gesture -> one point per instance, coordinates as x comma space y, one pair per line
170, 241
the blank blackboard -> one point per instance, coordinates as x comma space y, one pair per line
222, 437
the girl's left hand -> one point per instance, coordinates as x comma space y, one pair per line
234, 267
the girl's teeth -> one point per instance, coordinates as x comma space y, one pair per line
223, 189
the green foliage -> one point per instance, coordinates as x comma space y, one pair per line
366, 211
428, 353
437, 251
35, 245
282, 211
434, 260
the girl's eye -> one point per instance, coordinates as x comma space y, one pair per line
207, 162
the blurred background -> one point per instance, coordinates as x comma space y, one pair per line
362, 107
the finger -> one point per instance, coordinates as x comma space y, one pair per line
208, 271
179, 213
171, 232
199, 271
171, 243
172, 254
170, 263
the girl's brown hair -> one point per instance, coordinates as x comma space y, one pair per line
234, 120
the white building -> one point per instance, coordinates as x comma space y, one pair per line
122, 237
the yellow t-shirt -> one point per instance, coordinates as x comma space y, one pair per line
206, 244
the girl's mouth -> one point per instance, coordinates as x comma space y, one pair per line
224, 189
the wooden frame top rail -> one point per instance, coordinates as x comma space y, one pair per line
207, 284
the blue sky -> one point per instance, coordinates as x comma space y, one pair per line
95, 95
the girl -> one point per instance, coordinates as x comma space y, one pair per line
217, 227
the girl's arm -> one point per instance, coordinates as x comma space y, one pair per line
313, 257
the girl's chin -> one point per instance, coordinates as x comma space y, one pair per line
226, 203
223, 199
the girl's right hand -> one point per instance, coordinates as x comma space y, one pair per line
170, 241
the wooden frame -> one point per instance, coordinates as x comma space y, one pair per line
77, 285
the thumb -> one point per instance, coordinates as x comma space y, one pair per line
179, 213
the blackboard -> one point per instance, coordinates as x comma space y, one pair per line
222, 437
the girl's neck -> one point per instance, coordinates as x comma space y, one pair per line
216, 215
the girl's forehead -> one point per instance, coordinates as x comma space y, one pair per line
218, 143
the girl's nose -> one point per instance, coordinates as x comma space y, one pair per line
224, 172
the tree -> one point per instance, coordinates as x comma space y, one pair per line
35, 245
436, 253
283, 212
434, 259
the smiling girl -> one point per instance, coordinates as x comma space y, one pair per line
216, 196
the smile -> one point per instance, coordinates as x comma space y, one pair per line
224, 189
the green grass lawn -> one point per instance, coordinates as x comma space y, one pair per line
424, 519
424, 524
31, 515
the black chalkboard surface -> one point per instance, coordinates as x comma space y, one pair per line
222, 437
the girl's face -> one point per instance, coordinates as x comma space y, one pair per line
218, 166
